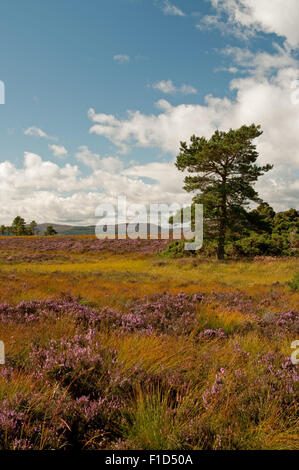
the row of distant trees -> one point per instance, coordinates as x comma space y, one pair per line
20, 228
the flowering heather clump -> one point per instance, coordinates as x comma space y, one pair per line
82, 406
284, 322
34, 310
211, 395
281, 377
276, 381
169, 314
22, 421
38, 249
91, 420
233, 300
288, 321
79, 363
11, 420
161, 314
210, 334
28, 423
6, 372
123, 322
91, 393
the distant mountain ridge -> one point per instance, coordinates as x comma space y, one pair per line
90, 229
62, 229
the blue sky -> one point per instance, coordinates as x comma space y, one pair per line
57, 62
60, 59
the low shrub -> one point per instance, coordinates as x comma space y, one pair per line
294, 284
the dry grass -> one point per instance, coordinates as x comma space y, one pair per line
168, 375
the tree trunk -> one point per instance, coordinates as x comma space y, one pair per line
221, 240
222, 223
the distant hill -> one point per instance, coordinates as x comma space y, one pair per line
90, 229
76, 230
67, 229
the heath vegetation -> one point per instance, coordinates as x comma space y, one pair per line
110, 346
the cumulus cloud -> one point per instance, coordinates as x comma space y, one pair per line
168, 87
213, 22
36, 132
170, 180
58, 150
246, 17
263, 97
187, 90
94, 161
37, 174
281, 187
262, 63
121, 58
45, 191
170, 9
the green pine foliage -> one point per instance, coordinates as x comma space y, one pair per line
261, 232
222, 172
19, 228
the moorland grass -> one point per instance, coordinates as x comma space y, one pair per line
221, 378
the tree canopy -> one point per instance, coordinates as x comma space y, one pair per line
222, 171
50, 231
19, 228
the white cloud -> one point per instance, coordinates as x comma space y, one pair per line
209, 22
36, 132
263, 97
58, 150
164, 105
188, 90
281, 187
121, 58
166, 174
96, 162
47, 192
222, 23
227, 69
246, 17
170, 9
168, 87
262, 63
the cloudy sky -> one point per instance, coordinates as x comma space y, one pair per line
98, 95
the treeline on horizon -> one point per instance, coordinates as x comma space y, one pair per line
19, 228
261, 232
